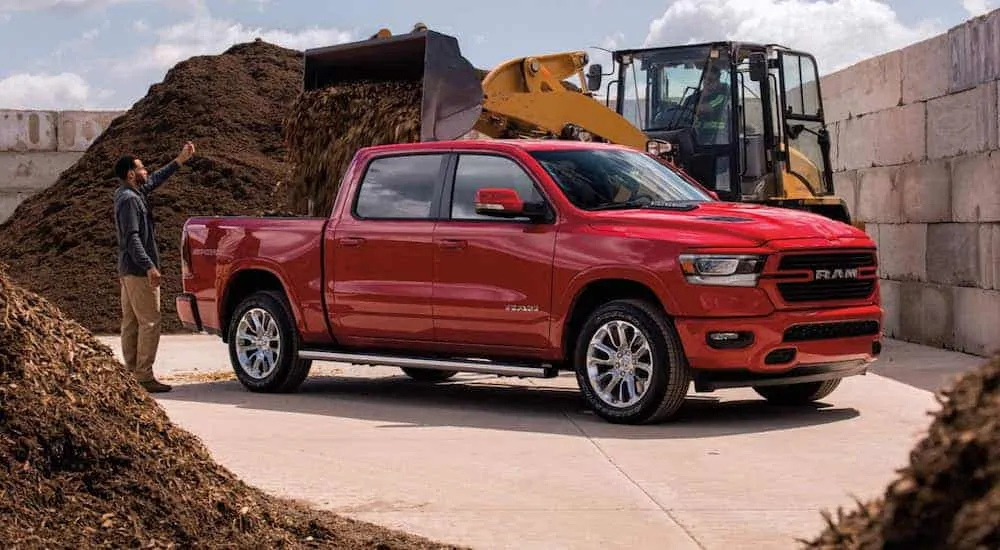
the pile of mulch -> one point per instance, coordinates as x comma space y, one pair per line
949, 494
326, 127
89, 460
61, 242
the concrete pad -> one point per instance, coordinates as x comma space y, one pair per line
79, 129
538, 470
903, 251
22, 131
923, 367
963, 123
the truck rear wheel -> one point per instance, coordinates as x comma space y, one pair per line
798, 394
630, 365
263, 345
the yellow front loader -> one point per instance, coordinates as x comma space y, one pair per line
733, 140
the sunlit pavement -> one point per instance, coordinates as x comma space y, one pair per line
506, 463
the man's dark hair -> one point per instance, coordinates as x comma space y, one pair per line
124, 164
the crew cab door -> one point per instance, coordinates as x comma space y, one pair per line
492, 276
382, 252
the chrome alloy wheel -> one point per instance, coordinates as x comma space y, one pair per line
619, 363
258, 343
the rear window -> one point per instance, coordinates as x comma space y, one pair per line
400, 187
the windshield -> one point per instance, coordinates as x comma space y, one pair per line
600, 179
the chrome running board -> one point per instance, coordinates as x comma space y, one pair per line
482, 367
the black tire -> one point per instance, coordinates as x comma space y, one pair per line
428, 375
798, 394
670, 375
289, 371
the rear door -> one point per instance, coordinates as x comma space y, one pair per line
382, 251
492, 276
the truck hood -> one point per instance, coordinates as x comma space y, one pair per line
728, 224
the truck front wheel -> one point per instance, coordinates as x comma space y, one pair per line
263, 345
798, 394
630, 365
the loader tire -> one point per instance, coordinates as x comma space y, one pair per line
655, 355
264, 345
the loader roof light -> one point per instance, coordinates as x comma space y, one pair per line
658, 147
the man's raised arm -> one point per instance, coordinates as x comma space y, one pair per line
157, 178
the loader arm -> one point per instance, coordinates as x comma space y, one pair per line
531, 91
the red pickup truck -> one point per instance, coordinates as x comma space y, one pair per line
531, 258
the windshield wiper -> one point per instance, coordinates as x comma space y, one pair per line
646, 203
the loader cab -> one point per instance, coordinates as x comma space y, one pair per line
732, 110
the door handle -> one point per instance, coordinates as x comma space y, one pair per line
352, 241
452, 243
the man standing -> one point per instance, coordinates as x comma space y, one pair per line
139, 264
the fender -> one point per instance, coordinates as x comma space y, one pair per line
568, 299
260, 264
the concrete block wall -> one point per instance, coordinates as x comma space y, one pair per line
916, 155
37, 146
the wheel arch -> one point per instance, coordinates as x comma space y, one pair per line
593, 292
247, 281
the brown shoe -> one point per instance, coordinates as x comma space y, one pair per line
154, 386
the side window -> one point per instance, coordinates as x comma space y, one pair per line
400, 187
475, 172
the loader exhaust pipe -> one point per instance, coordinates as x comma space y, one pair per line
452, 98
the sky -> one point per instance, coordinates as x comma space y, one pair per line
104, 54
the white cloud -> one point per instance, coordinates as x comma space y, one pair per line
205, 35
45, 91
978, 7
838, 32
39, 5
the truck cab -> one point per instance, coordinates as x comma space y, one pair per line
537, 258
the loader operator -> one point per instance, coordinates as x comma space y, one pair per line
139, 264
712, 120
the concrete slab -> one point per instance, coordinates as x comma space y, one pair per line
880, 195
79, 129
33, 171
977, 320
494, 463
927, 313
975, 52
22, 131
963, 123
900, 134
869, 86
926, 69
903, 251
989, 256
954, 254
926, 191
975, 187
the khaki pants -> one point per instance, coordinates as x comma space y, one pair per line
140, 326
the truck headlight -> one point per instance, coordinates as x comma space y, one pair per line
722, 269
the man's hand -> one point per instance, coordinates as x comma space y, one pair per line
154, 277
186, 153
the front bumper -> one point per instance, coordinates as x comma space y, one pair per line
784, 347
187, 312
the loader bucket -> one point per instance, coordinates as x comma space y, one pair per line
452, 91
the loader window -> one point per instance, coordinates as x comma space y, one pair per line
475, 172
400, 187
